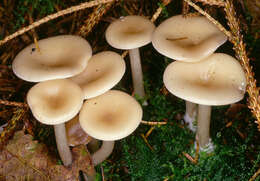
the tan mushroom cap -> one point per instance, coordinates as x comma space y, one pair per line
216, 80
110, 116
130, 32
75, 134
55, 101
59, 57
103, 72
187, 39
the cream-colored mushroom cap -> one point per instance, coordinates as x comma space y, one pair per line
110, 116
55, 101
130, 32
103, 72
216, 80
59, 57
187, 39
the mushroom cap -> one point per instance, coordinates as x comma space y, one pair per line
130, 32
110, 116
59, 57
103, 72
187, 39
75, 134
55, 101
216, 80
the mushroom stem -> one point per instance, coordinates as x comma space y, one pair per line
62, 144
190, 115
93, 145
204, 113
105, 150
137, 74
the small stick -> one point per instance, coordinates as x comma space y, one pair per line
159, 10
255, 175
94, 18
189, 158
11, 103
102, 173
201, 11
153, 123
149, 132
34, 35
145, 140
185, 8
54, 16
240, 49
212, 2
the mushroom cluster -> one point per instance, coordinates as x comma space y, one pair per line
199, 76
67, 75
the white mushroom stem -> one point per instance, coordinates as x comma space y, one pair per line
62, 144
103, 153
137, 74
190, 115
203, 133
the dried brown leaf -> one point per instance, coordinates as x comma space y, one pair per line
26, 159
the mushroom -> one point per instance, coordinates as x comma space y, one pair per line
77, 136
104, 71
187, 38
110, 116
131, 33
54, 102
182, 38
107, 122
60, 57
209, 82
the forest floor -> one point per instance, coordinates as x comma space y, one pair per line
167, 152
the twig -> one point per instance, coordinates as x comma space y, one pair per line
54, 16
149, 132
255, 175
94, 18
34, 35
159, 10
239, 47
145, 140
189, 158
185, 8
201, 11
102, 173
11, 103
153, 123
212, 2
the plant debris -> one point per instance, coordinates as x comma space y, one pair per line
26, 159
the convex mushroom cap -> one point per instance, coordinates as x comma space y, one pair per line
103, 72
59, 57
216, 80
187, 38
130, 32
110, 116
55, 101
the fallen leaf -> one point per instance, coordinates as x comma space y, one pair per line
25, 159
